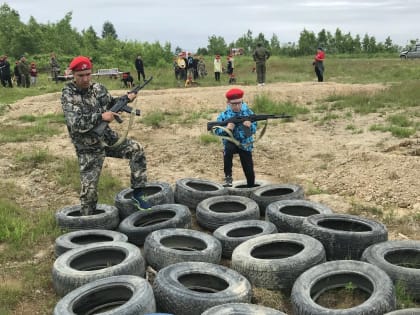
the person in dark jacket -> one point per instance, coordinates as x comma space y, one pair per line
127, 79
5, 75
261, 55
85, 105
140, 68
244, 142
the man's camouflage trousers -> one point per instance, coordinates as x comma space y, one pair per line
91, 163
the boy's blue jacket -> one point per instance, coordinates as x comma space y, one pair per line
247, 143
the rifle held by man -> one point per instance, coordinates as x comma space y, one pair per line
121, 106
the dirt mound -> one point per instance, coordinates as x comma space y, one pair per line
344, 168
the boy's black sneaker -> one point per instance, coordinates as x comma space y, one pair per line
228, 181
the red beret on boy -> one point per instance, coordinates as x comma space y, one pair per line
234, 94
80, 63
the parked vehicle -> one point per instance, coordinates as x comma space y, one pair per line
411, 53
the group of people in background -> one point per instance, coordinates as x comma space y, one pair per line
24, 74
186, 67
192, 67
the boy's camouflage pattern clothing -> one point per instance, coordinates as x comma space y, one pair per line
83, 111
247, 143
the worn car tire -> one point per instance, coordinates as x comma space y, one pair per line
191, 191
190, 288
96, 261
169, 246
274, 261
214, 212
400, 260
274, 192
406, 311
335, 274
104, 217
79, 238
239, 187
241, 309
116, 295
235, 233
344, 236
138, 225
288, 215
156, 193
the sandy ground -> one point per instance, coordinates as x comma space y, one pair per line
346, 170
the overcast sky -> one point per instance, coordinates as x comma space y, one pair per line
189, 23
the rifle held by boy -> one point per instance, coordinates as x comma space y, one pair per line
241, 119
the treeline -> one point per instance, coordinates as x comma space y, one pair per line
39, 40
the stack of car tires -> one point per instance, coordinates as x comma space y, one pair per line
123, 261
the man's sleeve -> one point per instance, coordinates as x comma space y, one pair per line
76, 119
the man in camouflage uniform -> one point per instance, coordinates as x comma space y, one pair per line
55, 67
85, 105
260, 55
23, 69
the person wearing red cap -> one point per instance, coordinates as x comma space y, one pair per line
85, 105
242, 135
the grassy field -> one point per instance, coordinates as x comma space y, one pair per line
23, 232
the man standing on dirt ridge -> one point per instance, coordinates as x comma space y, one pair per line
261, 55
139, 64
85, 105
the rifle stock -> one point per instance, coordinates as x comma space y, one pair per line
120, 106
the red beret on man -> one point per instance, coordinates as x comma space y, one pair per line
80, 63
234, 94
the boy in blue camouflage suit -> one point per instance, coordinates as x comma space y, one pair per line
85, 105
237, 107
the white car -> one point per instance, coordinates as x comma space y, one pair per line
412, 53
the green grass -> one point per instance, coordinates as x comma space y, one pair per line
159, 119
398, 96
48, 118
342, 69
34, 159
208, 138
399, 125
263, 104
38, 128
404, 300
22, 230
